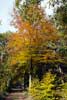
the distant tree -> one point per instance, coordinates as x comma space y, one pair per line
60, 14
27, 2
4, 71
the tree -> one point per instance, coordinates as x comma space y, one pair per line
33, 42
60, 20
60, 14
4, 71
17, 2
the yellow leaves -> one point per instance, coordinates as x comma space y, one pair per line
43, 90
14, 40
47, 56
50, 55
20, 57
64, 91
48, 78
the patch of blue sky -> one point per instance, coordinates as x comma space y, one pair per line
6, 9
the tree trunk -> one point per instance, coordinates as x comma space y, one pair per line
30, 73
29, 81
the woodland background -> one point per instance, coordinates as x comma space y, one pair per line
38, 47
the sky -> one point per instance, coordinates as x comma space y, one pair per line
6, 9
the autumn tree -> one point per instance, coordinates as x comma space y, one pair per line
34, 42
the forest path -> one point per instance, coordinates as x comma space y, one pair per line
19, 96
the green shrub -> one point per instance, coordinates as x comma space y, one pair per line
64, 91
43, 90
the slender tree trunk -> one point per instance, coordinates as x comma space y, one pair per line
30, 81
30, 73
1, 57
61, 72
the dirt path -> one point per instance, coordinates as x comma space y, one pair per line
19, 96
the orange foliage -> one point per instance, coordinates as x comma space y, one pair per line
31, 40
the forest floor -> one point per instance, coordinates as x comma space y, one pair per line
19, 96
